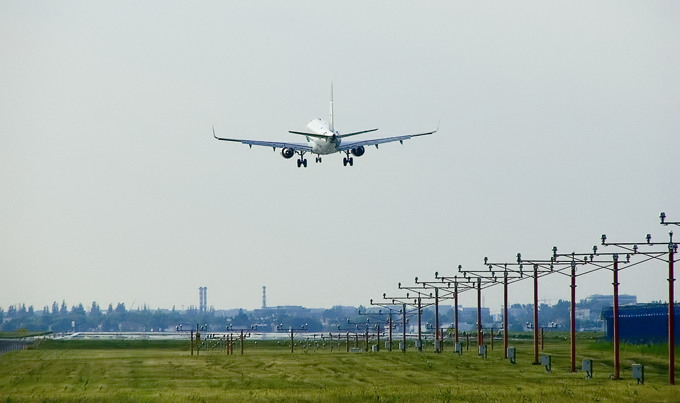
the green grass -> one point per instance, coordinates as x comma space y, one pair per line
160, 371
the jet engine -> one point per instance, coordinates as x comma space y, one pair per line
358, 151
287, 153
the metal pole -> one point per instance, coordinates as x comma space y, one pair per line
420, 332
480, 337
390, 349
292, 340
377, 326
348, 342
366, 338
542, 337
616, 316
536, 362
436, 319
191, 339
403, 327
455, 309
671, 314
505, 314
197, 339
241, 342
572, 317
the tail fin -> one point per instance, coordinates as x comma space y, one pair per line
330, 113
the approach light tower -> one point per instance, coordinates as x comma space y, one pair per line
264, 296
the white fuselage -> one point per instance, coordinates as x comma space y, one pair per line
322, 145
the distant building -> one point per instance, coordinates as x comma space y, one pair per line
582, 313
608, 300
639, 324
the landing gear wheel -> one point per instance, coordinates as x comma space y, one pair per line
344, 161
304, 162
351, 161
299, 162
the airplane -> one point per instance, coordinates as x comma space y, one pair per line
323, 139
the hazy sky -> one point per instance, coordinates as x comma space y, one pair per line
559, 122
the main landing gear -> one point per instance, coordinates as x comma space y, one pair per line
302, 161
318, 159
347, 160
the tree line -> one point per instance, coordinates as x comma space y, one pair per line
60, 318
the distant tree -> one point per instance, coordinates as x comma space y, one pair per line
30, 310
241, 319
120, 308
55, 308
110, 308
94, 309
78, 310
63, 310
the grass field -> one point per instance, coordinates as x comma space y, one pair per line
164, 370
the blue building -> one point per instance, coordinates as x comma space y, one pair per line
642, 323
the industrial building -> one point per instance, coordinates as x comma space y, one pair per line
641, 324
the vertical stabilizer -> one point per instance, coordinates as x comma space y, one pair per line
330, 113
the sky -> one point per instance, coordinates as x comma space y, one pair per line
558, 122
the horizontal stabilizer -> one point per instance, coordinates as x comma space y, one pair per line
355, 133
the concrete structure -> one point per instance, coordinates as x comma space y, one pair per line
203, 299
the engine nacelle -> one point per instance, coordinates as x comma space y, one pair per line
358, 152
287, 153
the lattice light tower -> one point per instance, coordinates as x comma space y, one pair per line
203, 299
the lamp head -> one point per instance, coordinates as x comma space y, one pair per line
604, 238
662, 216
649, 238
486, 260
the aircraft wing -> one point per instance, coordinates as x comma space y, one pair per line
273, 144
344, 146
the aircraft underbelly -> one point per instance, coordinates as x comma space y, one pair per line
322, 146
